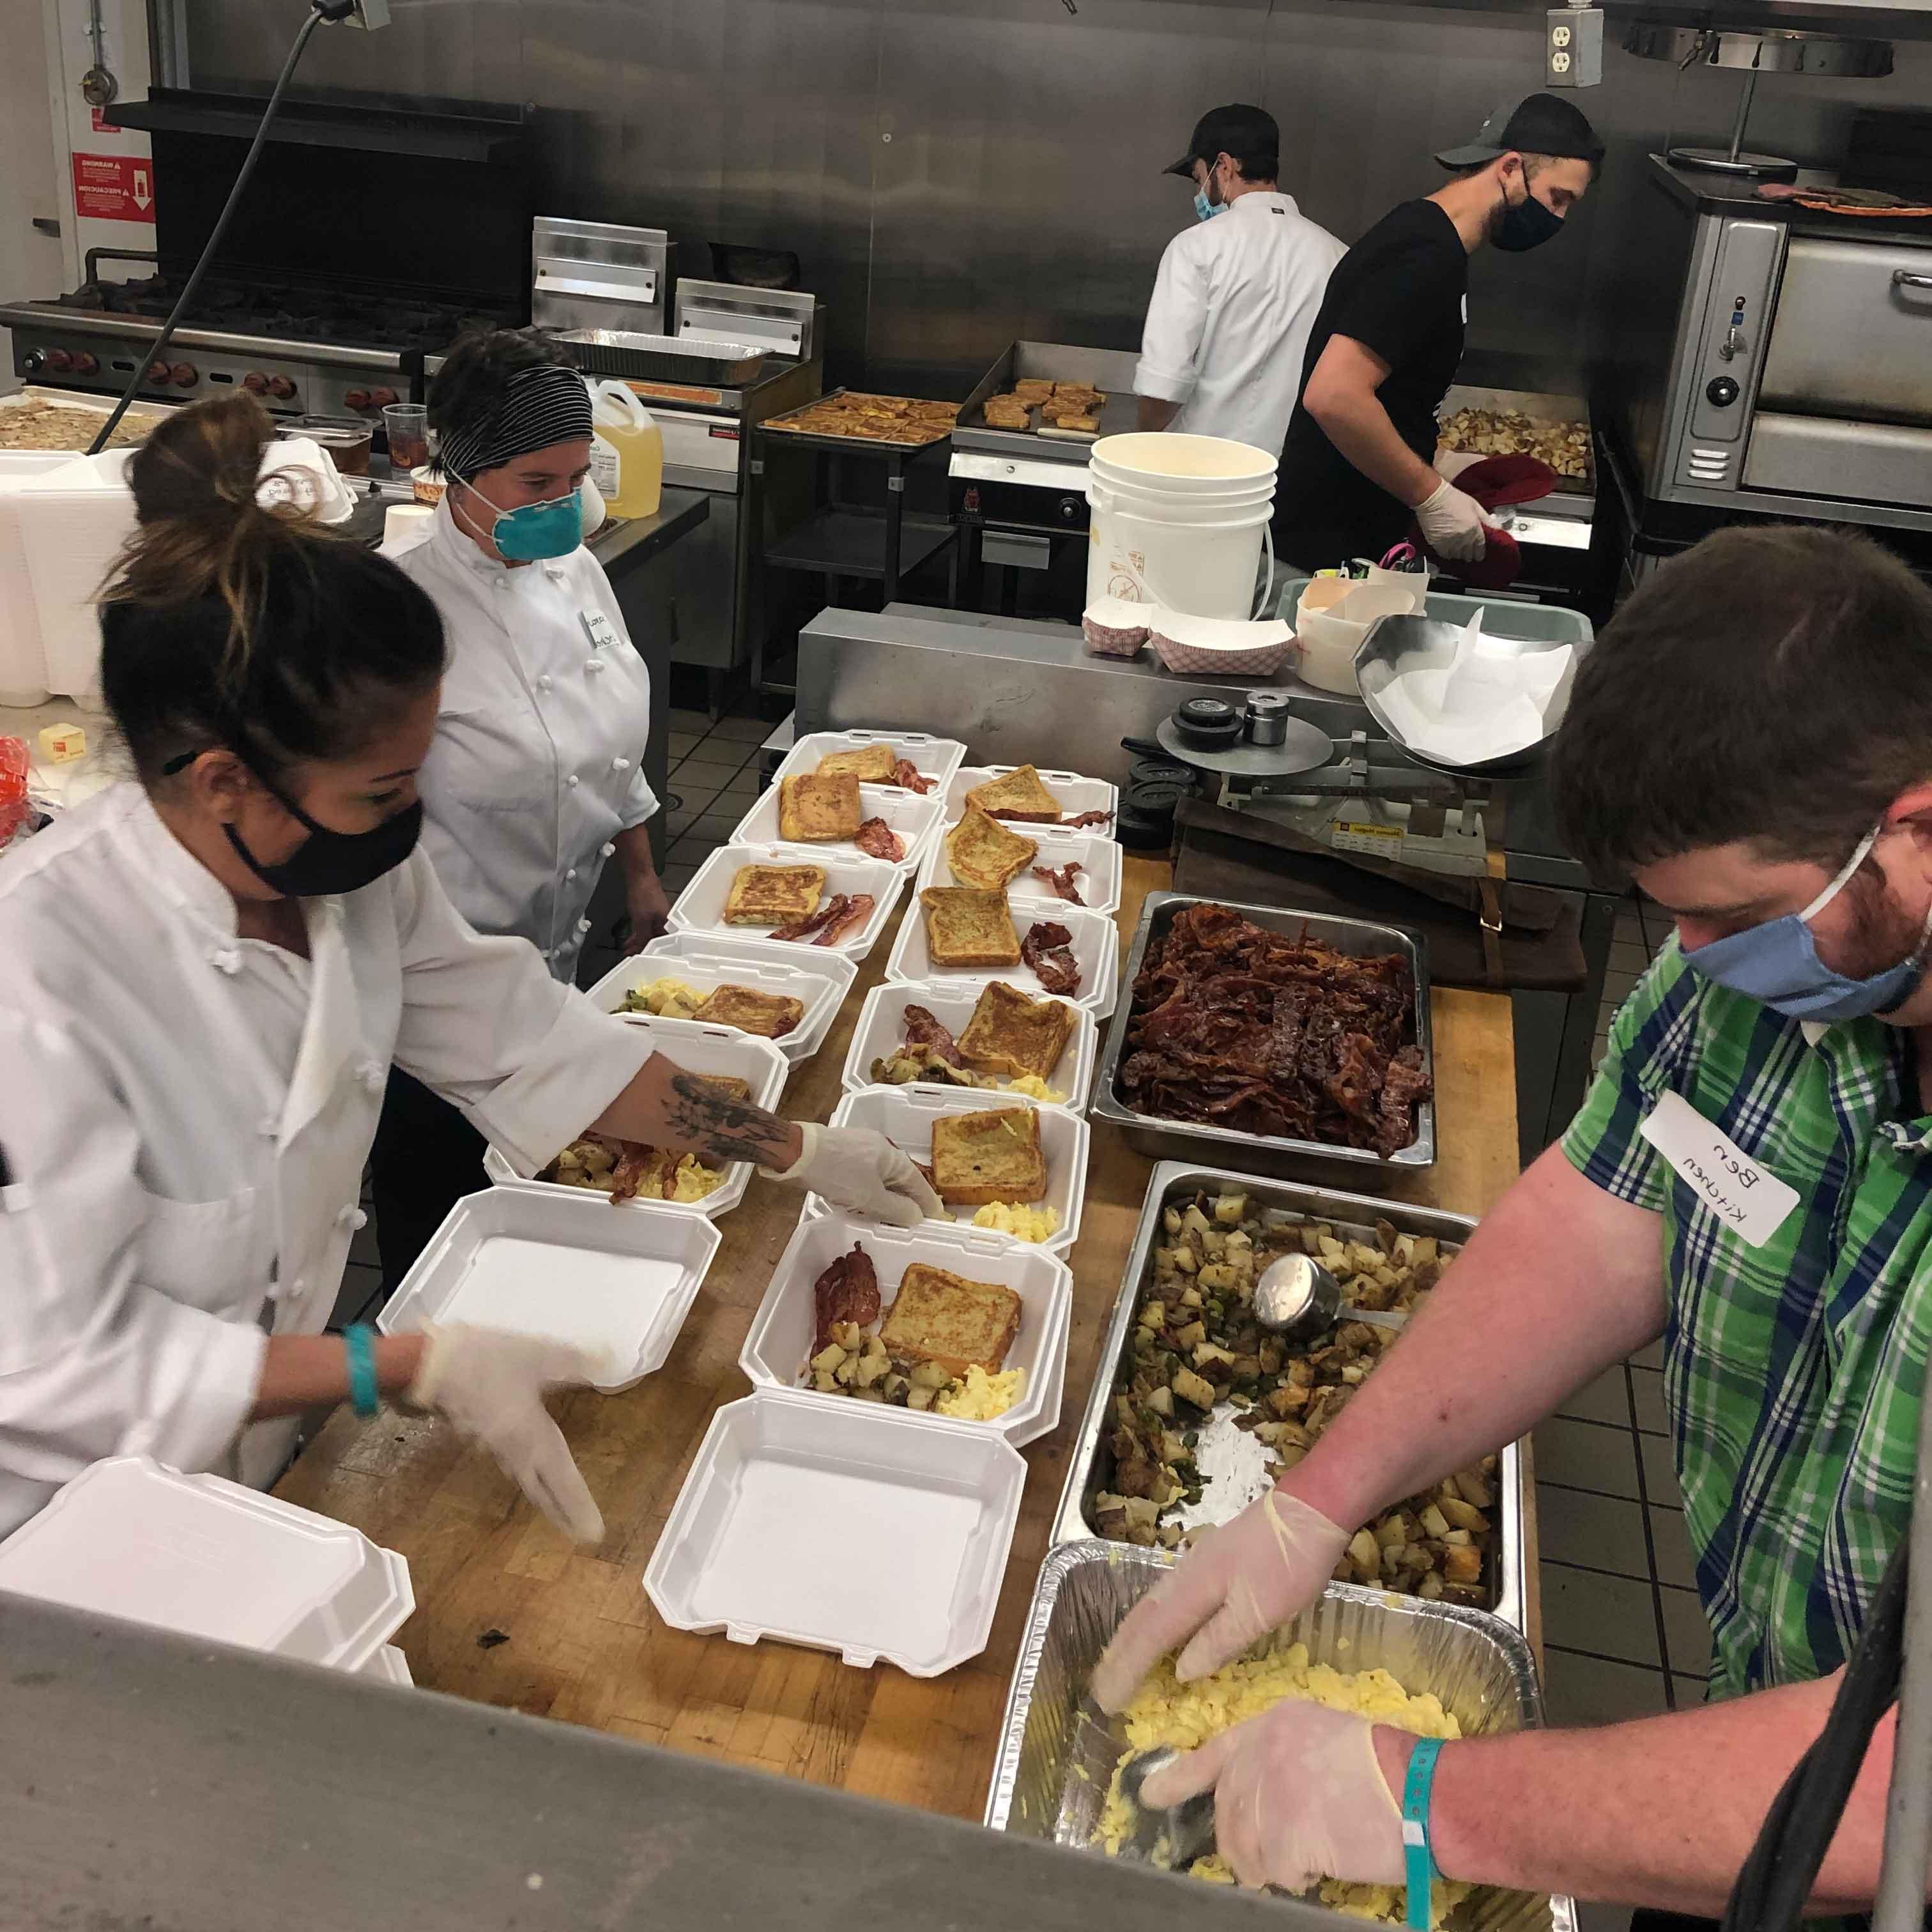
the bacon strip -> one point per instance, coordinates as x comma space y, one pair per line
1048, 949
926, 1029
847, 1290
1088, 818
877, 840
1065, 824
856, 910
908, 777
1060, 881
803, 928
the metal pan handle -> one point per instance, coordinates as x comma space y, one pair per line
1905, 278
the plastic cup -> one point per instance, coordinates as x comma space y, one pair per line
407, 426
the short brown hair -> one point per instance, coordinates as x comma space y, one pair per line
1773, 685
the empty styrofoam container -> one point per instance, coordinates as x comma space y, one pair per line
558, 1262
389, 1665
699, 907
819, 980
692, 1048
199, 1554
1094, 941
936, 759
780, 1339
1097, 854
905, 1116
842, 1526
880, 1031
1075, 794
911, 817
73, 522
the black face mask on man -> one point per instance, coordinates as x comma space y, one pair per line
1517, 226
327, 862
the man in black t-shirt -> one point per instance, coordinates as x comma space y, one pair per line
1358, 465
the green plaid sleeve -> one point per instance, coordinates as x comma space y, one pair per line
1603, 1143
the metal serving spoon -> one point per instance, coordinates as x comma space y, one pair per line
1296, 1296
1172, 1839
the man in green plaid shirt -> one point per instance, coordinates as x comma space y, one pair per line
1750, 1179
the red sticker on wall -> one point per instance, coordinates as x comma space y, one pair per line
114, 188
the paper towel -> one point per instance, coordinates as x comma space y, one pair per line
1489, 701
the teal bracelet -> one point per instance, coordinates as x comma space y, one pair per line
364, 1393
1418, 1860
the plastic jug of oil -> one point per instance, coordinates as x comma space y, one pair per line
634, 465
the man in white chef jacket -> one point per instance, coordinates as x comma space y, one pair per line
1237, 293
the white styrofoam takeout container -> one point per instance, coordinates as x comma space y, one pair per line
530, 1260
692, 1048
795, 1502
199, 1554
914, 818
934, 758
389, 1665
1095, 945
880, 1032
699, 907
1096, 852
708, 961
780, 1339
905, 1116
1075, 794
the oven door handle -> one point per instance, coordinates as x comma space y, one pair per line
1907, 278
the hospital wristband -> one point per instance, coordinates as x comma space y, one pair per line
1418, 1860
364, 1393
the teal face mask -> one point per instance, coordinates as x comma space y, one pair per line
534, 531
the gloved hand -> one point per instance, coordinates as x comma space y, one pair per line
1237, 1583
1298, 1795
1455, 525
861, 1171
490, 1384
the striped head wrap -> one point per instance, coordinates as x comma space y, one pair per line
538, 406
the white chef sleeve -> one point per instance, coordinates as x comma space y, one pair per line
1176, 318
640, 803
94, 1362
531, 1062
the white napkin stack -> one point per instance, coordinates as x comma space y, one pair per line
1490, 701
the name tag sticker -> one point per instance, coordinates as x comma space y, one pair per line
1749, 1200
599, 629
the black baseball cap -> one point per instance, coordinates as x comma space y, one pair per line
1539, 123
1248, 133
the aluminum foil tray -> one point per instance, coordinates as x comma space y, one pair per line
1270, 1153
1055, 1761
706, 361
1090, 1464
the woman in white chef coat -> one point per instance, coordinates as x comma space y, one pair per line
536, 775
205, 977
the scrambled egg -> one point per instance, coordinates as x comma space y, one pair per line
1028, 1224
694, 1180
1035, 1088
1165, 1711
981, 1397
669, 999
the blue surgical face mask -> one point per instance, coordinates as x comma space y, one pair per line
1205, 210
1778, 963
533, 532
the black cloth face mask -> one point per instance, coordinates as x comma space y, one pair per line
1524, 225
328, 863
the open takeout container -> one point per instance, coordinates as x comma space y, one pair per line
692, 1048
914, 818
1076, 794
934, 758
707, 960
842, 1526
1094, 941
781, 1336
1055, 1763
1096, 852
533, 1262
880, 1030
699, 907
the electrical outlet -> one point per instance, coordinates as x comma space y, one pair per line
1573, 52
370, 13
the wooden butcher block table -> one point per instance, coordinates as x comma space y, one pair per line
508, 1614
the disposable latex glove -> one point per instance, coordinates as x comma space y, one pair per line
1455, 525
861, 1171
490, 1385
1238, 1583
1298, 1796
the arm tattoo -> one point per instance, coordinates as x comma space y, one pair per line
720, 1127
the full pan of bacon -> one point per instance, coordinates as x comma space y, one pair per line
1295, 1039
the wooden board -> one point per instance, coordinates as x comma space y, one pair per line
583, 1644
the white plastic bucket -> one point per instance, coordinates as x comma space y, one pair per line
1170, 554
1182, 466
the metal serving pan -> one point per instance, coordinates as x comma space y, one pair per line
1272, 1154
707, 361
1110, 370
1284, 1203
1055, 1765
1573, 496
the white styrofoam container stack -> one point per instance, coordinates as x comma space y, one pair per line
905, 1116
197, 1554
1096, 852
934, 758
1076, 794
913, 817
73, 522
23, 657
559, 1263
694, 1049
842, 1526
880, 1031
699, 907
818, 978
1095, 943
780, 1339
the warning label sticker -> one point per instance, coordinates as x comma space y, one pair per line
114, 188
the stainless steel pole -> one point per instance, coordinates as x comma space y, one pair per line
1900, 1907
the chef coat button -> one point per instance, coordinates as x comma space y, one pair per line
604, 850
593, 663
584, 926
544, 682
373, 1075
226, 959
299, 1285
620, 764
569, 872
352, 1218
572, 780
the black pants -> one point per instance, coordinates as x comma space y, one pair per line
427, 1155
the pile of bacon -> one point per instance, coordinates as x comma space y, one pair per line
1058, 880
906, 776
879, 840
832, 921
1048, 950
848, 1291
1236, 1027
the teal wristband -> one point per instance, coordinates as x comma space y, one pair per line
363, 1392
1418, 1860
